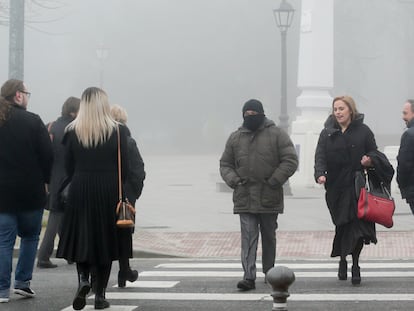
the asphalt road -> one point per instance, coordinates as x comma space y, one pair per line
210, 284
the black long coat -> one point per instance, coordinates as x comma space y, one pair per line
133, 186
88, 226
405, 169
56, 131
136, 175
338, 157
26, 158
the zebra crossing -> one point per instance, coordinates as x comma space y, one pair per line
185, 280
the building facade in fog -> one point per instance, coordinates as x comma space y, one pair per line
183, 68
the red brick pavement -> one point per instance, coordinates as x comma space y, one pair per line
290, 244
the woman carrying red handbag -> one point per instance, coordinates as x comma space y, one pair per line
341, 152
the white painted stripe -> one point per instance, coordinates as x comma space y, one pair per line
303, 274
172, 273
210, 265
185, 296
374, 274
352, 297
259, 296
328, 265
150, 284
113, 308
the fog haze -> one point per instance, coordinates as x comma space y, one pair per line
183, 68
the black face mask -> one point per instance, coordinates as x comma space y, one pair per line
253, 122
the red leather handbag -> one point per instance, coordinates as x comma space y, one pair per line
377, 207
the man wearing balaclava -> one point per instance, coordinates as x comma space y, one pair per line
258, 159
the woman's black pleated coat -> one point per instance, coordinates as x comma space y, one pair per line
88, 228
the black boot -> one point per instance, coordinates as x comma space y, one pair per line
129, 275
101, 281
100, 301
356, 275
84, 287
343, 270
356, 271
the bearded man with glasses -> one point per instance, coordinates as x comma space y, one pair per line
26, 158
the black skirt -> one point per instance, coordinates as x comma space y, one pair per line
348, 235
89, 233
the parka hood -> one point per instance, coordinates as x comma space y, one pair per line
331, 125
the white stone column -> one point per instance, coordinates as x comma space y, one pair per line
315, 79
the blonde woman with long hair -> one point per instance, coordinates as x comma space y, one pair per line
88, 231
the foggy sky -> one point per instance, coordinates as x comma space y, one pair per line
183, 68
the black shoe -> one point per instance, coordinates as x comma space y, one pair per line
246, 285
131, 275
343, 270
79, 301
26, 292
356, 275
45, 264
101, 302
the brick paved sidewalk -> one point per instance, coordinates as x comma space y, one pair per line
290, 244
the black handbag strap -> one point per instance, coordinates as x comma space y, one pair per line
368, 185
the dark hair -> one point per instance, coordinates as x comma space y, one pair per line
411, 102
71, 105
7, 93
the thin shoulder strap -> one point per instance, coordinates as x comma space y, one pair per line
119, 165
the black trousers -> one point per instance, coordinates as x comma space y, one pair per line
125, 248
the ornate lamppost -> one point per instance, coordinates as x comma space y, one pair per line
284, 16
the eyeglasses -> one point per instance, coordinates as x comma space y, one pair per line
27, 93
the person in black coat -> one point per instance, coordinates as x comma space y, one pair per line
341, 152
26, 159
89, 233
405, 158
55, 205
133, 188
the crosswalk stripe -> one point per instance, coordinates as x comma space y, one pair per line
328, 265
150, 284
113, 308
234, 274
259, 296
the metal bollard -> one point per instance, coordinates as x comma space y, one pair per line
280, 278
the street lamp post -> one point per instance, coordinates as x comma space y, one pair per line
102, 54
284, 16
